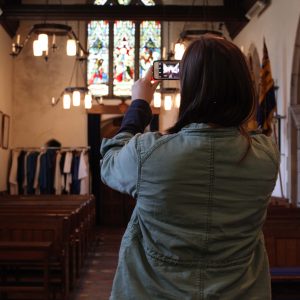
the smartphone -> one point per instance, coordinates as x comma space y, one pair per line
166, 69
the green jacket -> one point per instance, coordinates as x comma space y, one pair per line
196, 230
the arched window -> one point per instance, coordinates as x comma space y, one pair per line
120, 52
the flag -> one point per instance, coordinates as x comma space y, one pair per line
252, 122
267, 101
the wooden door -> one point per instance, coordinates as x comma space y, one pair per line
116, 208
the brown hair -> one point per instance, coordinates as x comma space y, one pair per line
216, 85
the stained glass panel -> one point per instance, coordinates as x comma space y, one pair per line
123, 70
100, 2
97, 68
148, 2
150, 44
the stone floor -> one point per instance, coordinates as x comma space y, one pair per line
97, 276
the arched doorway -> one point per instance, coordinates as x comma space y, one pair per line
294, 126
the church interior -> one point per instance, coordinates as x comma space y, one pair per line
66, 72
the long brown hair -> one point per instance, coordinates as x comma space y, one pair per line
216, 85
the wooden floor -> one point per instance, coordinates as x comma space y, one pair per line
96, 279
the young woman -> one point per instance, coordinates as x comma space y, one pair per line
202, 190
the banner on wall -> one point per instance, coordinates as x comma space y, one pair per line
267, 101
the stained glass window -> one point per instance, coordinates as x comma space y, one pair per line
100, 2
150, 44
124, 41
148, 2
98, 45
115, 78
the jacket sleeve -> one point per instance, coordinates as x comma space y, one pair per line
120, 163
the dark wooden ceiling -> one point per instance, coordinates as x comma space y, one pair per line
231, 13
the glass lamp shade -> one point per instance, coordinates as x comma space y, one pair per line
179, 50
71, 47
37, 49
168, 103
67, 101
43, 41
76, 98
88, 101
177, 100
157, 100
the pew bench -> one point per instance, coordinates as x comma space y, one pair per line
24, 255
35, 229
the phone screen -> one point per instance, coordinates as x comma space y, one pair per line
166, 69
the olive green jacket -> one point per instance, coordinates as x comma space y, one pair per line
196, 230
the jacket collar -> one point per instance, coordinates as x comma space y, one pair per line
205, 128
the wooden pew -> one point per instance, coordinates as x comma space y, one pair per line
35, 229
20, 254
84, 232
79, 209
282, 239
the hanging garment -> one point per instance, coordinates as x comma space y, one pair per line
13, 181
67, 171
75, 186
63, 177
31, 169
83, 173
20, 171
58, 175
37, 174
25, 173
46, 178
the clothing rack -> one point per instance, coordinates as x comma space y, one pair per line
54, 148
18, 185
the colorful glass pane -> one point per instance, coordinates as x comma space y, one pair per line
124, 2
97, 67
123, 69
150, 44
148, 2
100, 2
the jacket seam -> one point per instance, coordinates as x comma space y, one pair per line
157, 145
270, 154
139, 167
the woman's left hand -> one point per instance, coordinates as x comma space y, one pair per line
145, 87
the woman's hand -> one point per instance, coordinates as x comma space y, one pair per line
144, 88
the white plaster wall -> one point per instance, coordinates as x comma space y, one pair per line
278, 25
5, 97
36, 81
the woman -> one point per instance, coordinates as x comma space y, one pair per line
202, 190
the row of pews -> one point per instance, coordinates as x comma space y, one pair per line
282, 240
44, 241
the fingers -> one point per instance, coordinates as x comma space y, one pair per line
155, 84
148, 75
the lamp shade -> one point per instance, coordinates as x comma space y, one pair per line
88, 101
168, 102
179, 50
37, 49
76, 98
177, 100
43, 41
67, 101
71, 47
157, 100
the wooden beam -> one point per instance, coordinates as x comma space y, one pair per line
115, 109
235, 27
10, 27
136, 13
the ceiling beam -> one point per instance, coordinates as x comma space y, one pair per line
135, 13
